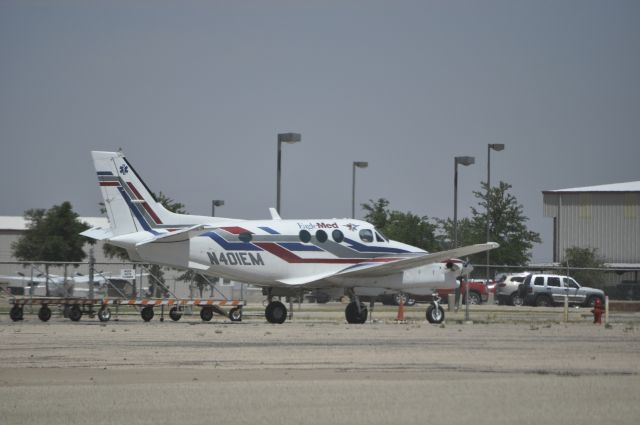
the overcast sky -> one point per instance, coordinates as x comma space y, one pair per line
195, 93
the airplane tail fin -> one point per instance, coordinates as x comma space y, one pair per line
130, 205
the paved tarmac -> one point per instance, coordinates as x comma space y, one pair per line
317, 369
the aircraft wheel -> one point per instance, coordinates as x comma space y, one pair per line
353, 315
104, 314
44, 313
16, 313
175, 314
147, 313
75, 313
275, 312
435, 315
206, 314
235, 314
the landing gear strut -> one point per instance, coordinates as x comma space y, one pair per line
435, 312
356, 312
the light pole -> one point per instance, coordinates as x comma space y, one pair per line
496, 147
284, 138
216, 203
356, 164
464, 160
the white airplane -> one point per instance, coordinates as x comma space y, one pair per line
284, 257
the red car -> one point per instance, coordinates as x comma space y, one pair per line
478, 293
478, 290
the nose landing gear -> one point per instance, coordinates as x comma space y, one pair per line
435, 312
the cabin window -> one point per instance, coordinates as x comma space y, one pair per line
366, 235
553, 281
245, 237
305, 236
321, 236
337, 236
382, 235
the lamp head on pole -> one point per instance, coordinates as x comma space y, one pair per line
360, 164
496, 146
289, 137
465, 160
218, 202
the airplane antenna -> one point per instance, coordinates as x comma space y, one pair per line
274, 214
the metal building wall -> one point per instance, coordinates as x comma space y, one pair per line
608, 221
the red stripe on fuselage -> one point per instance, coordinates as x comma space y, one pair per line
235, 230
109, 184
290, 257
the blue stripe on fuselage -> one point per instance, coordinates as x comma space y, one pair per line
135, 212
231, 246
269, 230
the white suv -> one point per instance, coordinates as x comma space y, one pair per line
507, 289
550, 289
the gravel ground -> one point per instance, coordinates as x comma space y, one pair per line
317, 369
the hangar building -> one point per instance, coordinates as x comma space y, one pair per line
605, 217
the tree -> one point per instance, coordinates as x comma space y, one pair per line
201, 282
507, 224
587, 258
377, 212
402, 227
52, 235
467, 233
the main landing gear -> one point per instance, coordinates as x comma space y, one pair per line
275, 312
356, 312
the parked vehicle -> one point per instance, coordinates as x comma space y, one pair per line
478, 291
550, 289
394, 299
626, 290
507, 288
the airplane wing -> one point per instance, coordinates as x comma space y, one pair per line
383, 269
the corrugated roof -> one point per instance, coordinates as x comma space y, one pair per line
615, 187
19, 223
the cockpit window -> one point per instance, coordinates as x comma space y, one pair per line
366, 235
380, 237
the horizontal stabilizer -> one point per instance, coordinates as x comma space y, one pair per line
98, 233
177, 236
198, 266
